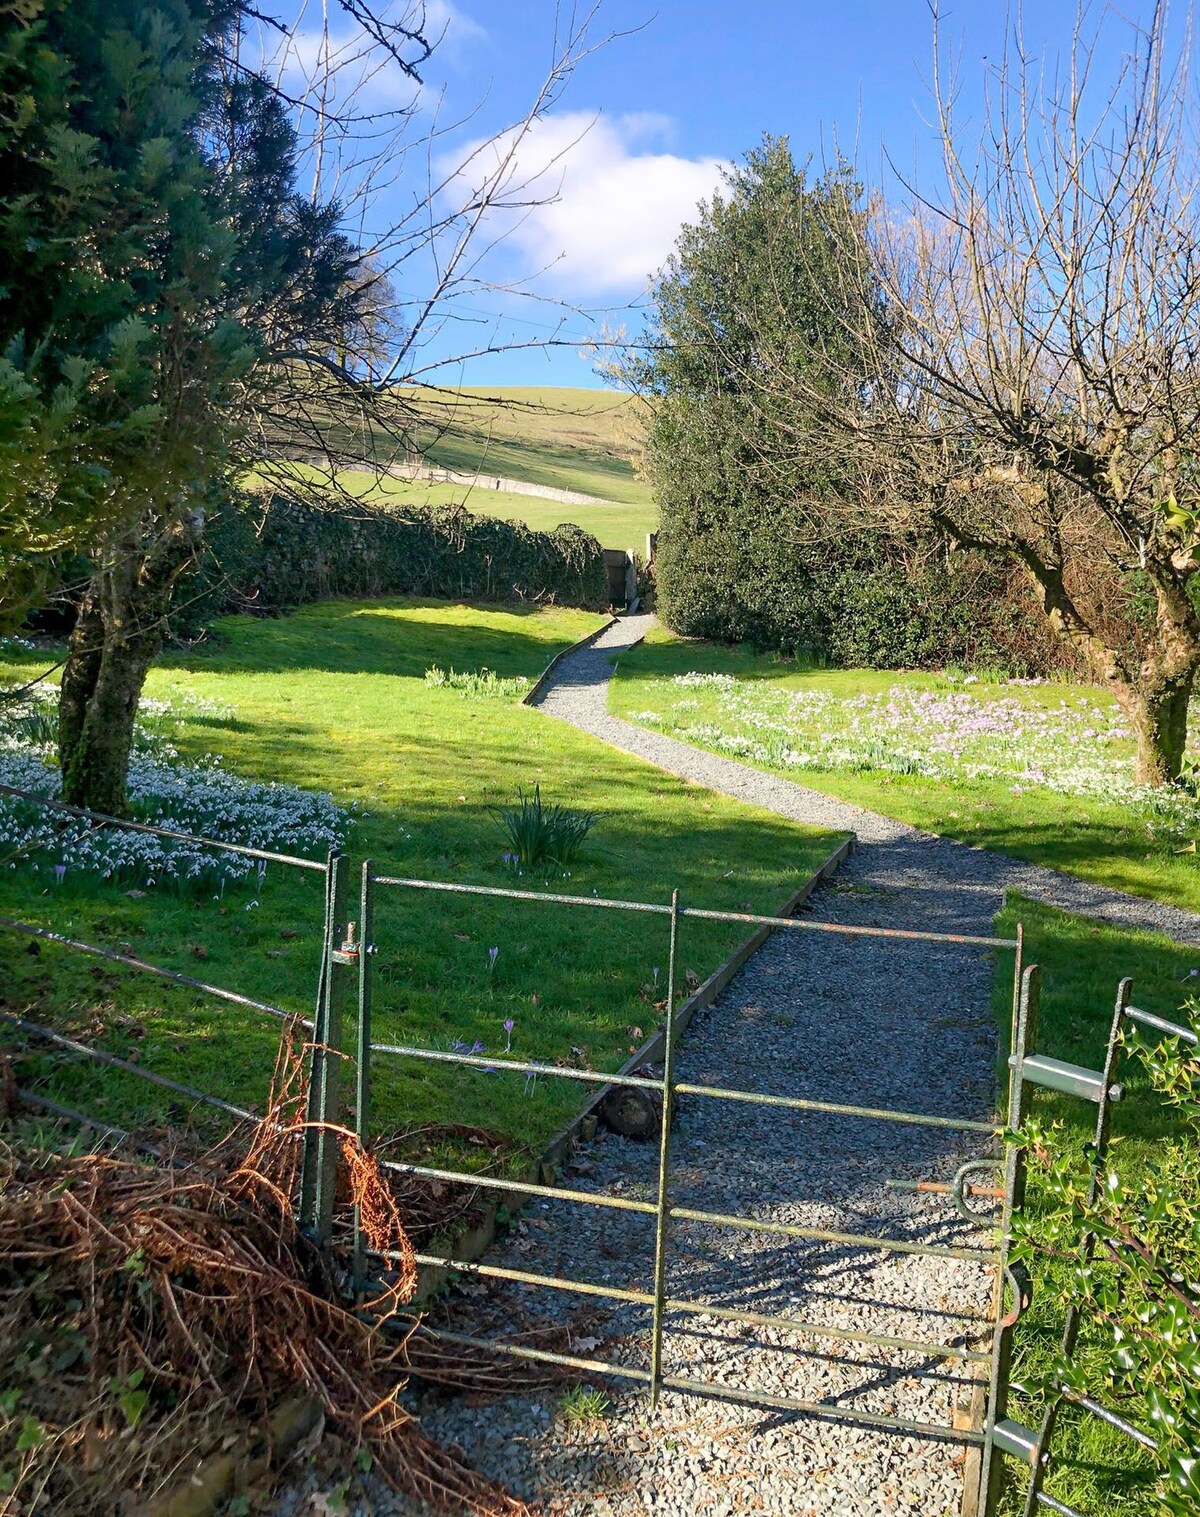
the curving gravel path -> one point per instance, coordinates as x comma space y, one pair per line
578, 693
834, 1017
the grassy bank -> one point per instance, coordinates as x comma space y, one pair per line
767, 708
334, 698
573, 439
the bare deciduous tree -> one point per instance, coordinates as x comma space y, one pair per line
1034, 387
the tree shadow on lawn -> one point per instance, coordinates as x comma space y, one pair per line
1100, 849
348, 637
446, 793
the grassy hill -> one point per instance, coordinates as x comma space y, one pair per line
556, 437
616, 525
582, 440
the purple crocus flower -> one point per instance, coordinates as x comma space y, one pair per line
509, 1024
493, 954
60, 873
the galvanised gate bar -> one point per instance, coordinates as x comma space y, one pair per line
992, 1362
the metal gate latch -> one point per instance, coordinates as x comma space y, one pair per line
348, 952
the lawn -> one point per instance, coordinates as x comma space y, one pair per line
1039, 771
1094, 1468
334, 698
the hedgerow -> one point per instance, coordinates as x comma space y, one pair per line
745, 578
270, 556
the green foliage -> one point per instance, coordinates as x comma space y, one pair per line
543, 835
748, 298
130, 1397
113, 260
293, 553
971, 612
476, 683
584, 1404
1140, 1292
753, 300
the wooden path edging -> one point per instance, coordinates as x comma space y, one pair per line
531, 696
475, 1242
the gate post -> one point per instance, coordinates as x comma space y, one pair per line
1073, 1319
664, 1161
1024, 1040
362, 1094
338, 950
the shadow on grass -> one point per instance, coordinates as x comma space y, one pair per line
343, 637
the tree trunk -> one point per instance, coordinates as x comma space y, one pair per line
1158, 715
120, 628
1154, 695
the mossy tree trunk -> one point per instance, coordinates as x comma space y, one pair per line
121, 625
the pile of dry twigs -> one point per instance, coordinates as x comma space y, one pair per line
142, 1308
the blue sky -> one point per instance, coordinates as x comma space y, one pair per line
641, 132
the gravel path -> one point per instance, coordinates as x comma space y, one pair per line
829, 1016
832, 1017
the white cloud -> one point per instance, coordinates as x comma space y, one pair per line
336, 57
609, 206
447, 25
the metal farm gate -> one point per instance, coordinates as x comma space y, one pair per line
355, 949
347, 955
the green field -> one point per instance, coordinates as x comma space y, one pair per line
582, 440
616, 526
1099, 839
585, 440
334, 698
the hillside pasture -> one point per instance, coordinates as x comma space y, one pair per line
614, 525
573, 439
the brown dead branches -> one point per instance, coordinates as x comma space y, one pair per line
168, 1302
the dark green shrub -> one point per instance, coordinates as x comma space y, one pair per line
743, 577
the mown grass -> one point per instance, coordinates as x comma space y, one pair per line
334, 698
1088, 836
1094, 1468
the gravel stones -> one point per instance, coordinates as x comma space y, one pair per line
833, 1017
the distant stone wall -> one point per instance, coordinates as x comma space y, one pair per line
495, 482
